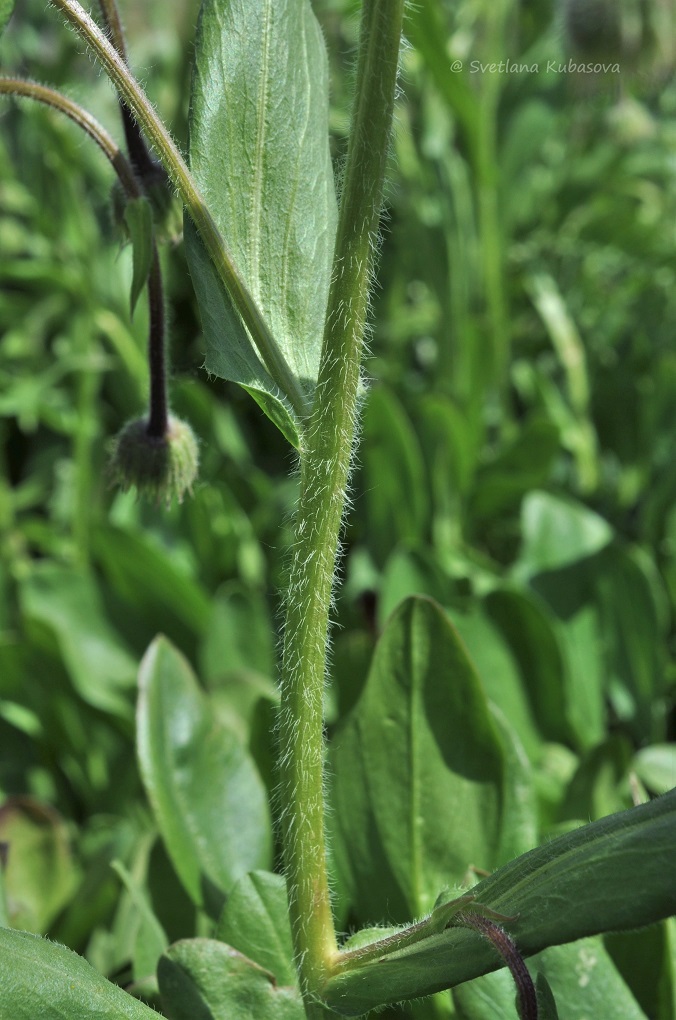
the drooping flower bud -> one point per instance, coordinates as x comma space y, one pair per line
161, 468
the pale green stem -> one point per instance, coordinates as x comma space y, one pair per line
177, 169
325, 466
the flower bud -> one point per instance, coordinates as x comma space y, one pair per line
162, 468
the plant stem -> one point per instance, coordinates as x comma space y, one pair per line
50, 97
158, 419
325, 466
135, 98
504, 944
144, 165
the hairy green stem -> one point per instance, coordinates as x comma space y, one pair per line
325, 466
135, 98
50, 97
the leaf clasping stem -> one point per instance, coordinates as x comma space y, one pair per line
180, 176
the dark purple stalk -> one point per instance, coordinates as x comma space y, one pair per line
526, 996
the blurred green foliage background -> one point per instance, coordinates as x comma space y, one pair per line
516, 463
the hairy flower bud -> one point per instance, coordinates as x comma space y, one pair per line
162, 468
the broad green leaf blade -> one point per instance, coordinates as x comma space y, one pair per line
585, 982
656, 767
614, 874
581, 979
647, 963
259, 152
255, 922
6, 11
201, 979
156, 591
419, 771
139, 220
208, 798
557, 532
68, 604
41, 979
530, 630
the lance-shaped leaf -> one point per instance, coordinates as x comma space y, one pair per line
422, 788
208, 798
614, 874
42, 979
139, 220
259, 152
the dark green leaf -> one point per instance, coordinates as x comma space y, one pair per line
259, 152
499, 676
208, 798
546, 1002
647, 962
394, 477
69, 605
41, 979
139, 220
523, 465
201, 979
634, 639
419, 751
255, 922
577, 885
531, 633
144, 577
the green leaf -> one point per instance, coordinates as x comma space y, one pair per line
138, 217
255, 922
207, 796
546, 1002
522, 465
557, 532
6, 11
229, 352
581, 979
585, 982
149, 939
39, 978
259, 152
395, 489
580, 884
656, 767
40, 874
201, 979
647, 962
69, 606
155, 592
634, 639
499, 675
530, 630
419, 751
